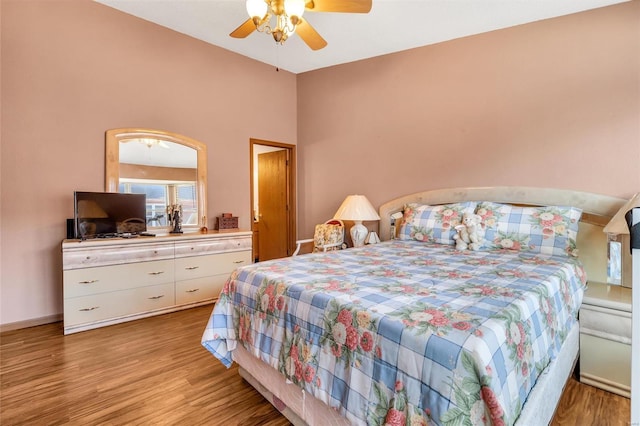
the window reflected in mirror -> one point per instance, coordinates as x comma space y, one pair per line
614, 261
168, 168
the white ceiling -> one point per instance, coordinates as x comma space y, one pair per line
164, 154
391, 26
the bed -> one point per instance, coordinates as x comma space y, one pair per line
413, 331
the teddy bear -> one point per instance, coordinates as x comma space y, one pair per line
470, 234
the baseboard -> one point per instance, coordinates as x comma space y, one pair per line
605, 384
30, 323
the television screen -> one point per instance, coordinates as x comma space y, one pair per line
100, 214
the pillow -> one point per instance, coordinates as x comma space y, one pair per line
548, 230
433, 223
326, 234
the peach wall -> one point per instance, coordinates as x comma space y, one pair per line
554, 104
73, 69
542, 104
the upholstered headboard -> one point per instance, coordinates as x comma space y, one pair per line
597, 210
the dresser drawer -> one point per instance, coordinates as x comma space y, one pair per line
213, 264
199, 289
606, 323
98, 307
87, 256
605, 338
219, 245
605, 364
111, 281
88, 281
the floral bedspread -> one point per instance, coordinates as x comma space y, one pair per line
404, 332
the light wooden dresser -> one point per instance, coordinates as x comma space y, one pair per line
108, 281
605, 338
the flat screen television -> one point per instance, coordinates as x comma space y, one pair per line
104, 214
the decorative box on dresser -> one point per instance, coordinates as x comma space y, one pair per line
605, 338
108, 281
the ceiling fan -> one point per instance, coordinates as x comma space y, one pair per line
150, 143
288, 18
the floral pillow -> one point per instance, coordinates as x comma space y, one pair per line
433, 223
326, 234
548, 230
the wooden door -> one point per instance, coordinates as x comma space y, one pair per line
273, 211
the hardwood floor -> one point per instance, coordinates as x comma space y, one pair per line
150, 371
585, 405
154, 371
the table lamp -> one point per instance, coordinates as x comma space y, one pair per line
357, 208
618, 223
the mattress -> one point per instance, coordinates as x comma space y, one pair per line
404, 331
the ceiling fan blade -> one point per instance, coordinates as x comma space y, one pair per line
344, 6
244, 30
309, 35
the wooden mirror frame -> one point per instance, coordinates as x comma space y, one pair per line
112, 160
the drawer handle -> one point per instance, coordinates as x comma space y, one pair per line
93, 308
191, 268
239, 261
193, 290
88, 282
156, 273
156, 297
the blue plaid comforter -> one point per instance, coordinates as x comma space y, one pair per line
404, 332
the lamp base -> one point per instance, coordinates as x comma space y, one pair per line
358, 233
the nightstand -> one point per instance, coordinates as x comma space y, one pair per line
605, 338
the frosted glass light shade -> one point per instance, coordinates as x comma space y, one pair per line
294, 7
618, 223
356, 208
256, 8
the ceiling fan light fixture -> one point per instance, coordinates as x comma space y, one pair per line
281, 18
295, 9
256, 9
278, 35
287, 15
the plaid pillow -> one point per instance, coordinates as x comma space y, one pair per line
433, 223
548, 230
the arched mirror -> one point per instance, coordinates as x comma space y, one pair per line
169, 168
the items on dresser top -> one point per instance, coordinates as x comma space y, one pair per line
226, 221
104, 214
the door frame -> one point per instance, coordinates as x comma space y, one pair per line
291, 187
